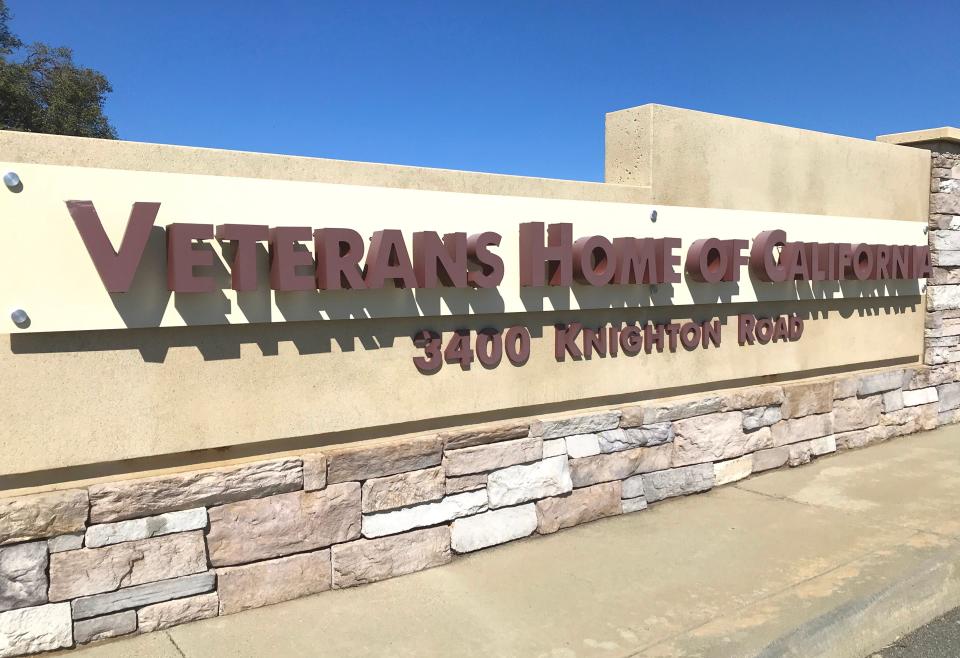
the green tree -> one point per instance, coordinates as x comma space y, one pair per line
42, 90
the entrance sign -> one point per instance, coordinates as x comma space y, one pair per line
108, 249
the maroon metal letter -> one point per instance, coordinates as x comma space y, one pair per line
244, 238
388, 259
115, 267
182, 258
439, 262
339, 251
285, 258
550, 265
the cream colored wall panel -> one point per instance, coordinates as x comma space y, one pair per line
49, 274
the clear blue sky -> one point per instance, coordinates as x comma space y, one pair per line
513, 86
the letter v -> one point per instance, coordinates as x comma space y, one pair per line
116, 267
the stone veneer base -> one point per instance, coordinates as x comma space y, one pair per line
136, 555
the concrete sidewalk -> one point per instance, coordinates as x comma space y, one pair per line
836, 558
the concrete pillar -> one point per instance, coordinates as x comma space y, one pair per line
688, 158
942, 333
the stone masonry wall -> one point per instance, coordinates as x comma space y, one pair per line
942, 335
139, 555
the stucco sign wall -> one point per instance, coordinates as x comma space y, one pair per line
490, 297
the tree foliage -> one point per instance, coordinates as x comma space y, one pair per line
42, 90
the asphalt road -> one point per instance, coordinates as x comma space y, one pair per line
938, 639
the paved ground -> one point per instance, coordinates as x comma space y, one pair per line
837, 558
938, 639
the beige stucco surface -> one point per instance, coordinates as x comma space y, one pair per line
84, 397
140, 156
707, 160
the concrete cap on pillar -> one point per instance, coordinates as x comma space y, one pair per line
921, 137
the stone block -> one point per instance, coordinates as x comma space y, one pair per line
845, 387
677, 482
587, 424
420, 516
715, 437
807, 399
480, 434
296, 522
142, 595
765, 460
632, 487
619, 465
948, 417
661, 412
314, 471
941, 298
911, 419
23, 575
938, 356
732, 470
920, 396
94, 570
860, 438
70, 542
890, 401
628, 505
373, 460
923, 377
403, 490
945, 240
519, 484
578, 506
949, 396
494, 527
799, 454
754, 419
948, 327
945, 203
144, 528
370, 560
945, 258
635, 437
944, 276
755, 396
163, 615
632, 416
488, 457
940, 221
128, 499
101, 628
584, 445
857, 413
801, 429
32, 630
942, 341
272, 581
554, 448
824, 445
466, 483
42, 515
802, 453
880, 382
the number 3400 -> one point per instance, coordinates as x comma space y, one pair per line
488, 346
